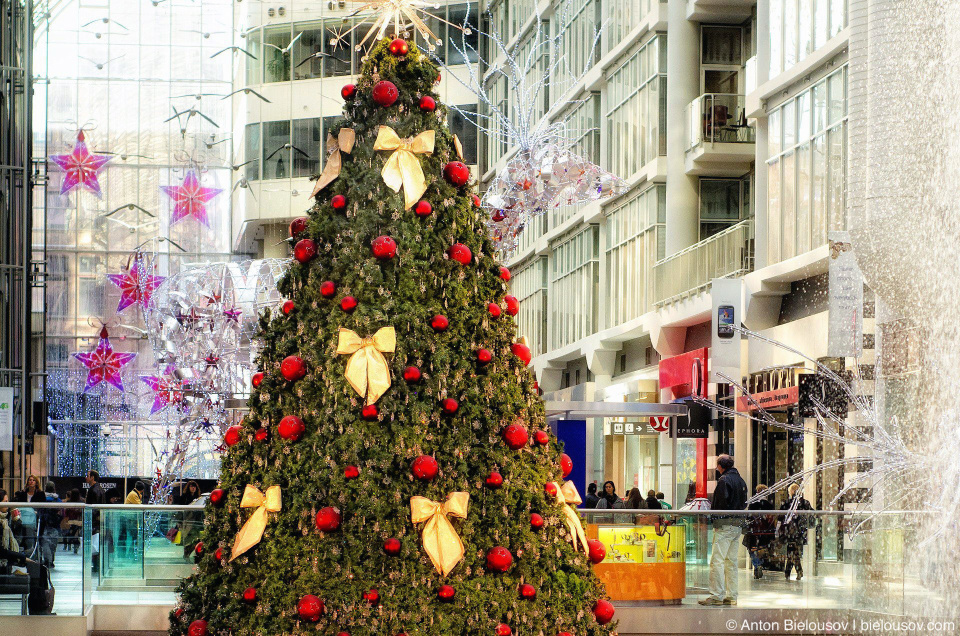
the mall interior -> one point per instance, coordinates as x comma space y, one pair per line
733, 127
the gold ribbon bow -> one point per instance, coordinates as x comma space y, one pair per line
367, 370
252, 531
403, 168
566, 495
440, 539
343, 142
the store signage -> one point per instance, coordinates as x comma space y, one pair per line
629, 428
845, 299
727, 296
787, 396
660, 423
6, 419
696, 423
618, 428
686, 374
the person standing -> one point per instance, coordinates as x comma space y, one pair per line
29, 519
609, 497
95, 493
794, 533
191, 522
652, 502
135, 496
49, 529
663, 502
7, 540
72, 525
730, 494
592, 499
760, 533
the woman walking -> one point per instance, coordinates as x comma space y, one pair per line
794, 534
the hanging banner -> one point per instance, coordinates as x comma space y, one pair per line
727, 295
845, 331
6, 419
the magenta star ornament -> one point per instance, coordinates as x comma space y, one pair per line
166, 392
135, 287
190, 199
81, 168
103, 363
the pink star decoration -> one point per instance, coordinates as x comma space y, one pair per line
135, 288
166, 391
103, 363
81, 167
190, 199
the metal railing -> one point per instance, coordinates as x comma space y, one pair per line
718, 118
727, 253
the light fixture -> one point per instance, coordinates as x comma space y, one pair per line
282, 11
271, 12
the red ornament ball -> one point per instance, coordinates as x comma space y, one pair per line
348, 92
494, 309
217, 496
566, 464
328, 288
298, 225
392, 546
385, 93
536, 521
515, 435
564, 634
513, 305
597, 552
369, 412
527, 591
198, 548
541, 438
499, 559
293, 368
328, 519
338, 202
218, 554
384, 248
348, 304
439, 322
484, 356
604, 611
399, 47
304, 250
460, 253
494, 481
197, 628
476, 201
291, 427
428, 104
232, 436
522, 351
261, 434
412, 374
250, 594
310, 608
256, 379
503, 630
446, 593
179, 612
351, 472
550, 488
287, 307
449, 406
504, 274
424, 468
457, 173
423, 208
372, 596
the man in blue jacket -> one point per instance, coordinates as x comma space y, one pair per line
730, 494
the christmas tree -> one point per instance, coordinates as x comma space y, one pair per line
395, 473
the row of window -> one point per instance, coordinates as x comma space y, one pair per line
800, 27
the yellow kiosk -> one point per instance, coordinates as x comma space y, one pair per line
643, 562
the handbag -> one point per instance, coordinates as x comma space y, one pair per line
41, 597
172, 534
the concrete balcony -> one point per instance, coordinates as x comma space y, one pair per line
720, 142
720, 11
688, 272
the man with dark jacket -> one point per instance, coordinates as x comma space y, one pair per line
730, 494
95, 494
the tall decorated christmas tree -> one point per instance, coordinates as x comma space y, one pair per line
395, 473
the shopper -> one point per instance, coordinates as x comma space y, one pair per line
72, 524
730, 494
592, 499
760, 533
49, 529
190, 522
794, 533
95, 493
652, 502
609, 498
135, 496
29, 519
7, 540
634, 500
663, 504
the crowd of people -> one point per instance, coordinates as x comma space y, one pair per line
634, 501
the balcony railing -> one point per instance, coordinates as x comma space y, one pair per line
728, 253
718, 118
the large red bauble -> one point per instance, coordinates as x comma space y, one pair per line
424, 468
522, 351
566, 464
536, 521
392, 546
256, 379
449, 406
494, 309
232, 436
261, 434
550, 488
457, 173
513, 305
372, 596
494, 481
304, 250
348, 304
515, 436
412, 374
310, 608
476, 201
250, 594
527, 591
297, 226
499, 559
197, 628
399, 47
385, 93
328, 288
369, 412
384, 248
291, 427
597, 552
446, 592
504, 274
541, 438
423, 208
428, 104
338, 202
460, 253
328, 519
198, 548
351, 472
564, 634
218, 554
216, 496
604, 611
439, 322
348, 92
288, 307
503, 630
293, 368
484, 356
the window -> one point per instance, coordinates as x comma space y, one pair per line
306, 147
574, 285
465, 129
254, 65
635, 241
276, 149
457, 14
276, 63
307, 52
800, 27
721, 45
529, 285
251, 151
721, 205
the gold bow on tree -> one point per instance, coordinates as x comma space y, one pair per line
403, 168
367, 370
567, 495
440, 539
252, 531
343, 142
